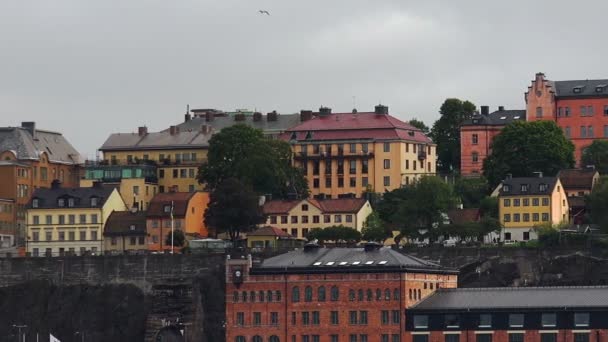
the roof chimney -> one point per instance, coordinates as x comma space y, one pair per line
538, 174
324, 111
30, 126
305, 115
209, 116
142, 130
56, 184
381, 110
508, 176
97, 184
257, 116
501, 108
485, 110
239, 117
187, 116
311, 247
173, 130
272, 116
372, 246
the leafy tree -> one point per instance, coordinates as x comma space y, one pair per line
446, 132
233, 208
489, 207
477, 230
178, 238
596, 204
374, 229
420, 125
597, 154
471, 191
242, 152
525, 147
338, 234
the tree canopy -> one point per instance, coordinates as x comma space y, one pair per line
471, 191
374, 229
337, 234
596, 204
523, 148
178, 238
420, 125
597, 154
242, 152
446, 132
233, 208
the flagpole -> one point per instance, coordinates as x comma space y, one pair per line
171, 227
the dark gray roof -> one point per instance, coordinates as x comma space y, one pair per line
533, 184
515, 298
157, 141
283, 123
345, 260
497, 118
48, 198
587, 88
125, 223
26, 147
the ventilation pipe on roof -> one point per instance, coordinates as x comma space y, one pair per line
142, 130
538, 174
30, 126
381, 110
501, 108
485, 110
324, 111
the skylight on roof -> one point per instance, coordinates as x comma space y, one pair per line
503, 118
342, 263
516, 117
356, 262
369, 262
383, 262
318, 263
329, 263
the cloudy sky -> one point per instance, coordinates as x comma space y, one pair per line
88, 68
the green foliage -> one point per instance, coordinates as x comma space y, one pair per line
337, 234
471, 191
233, 208
596, 204
548, 235
475, 230
420, 125
178, 238
489, 207
374, 229
597, 154
525, 147
242, 152
446, 132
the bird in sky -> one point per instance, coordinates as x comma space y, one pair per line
264, 12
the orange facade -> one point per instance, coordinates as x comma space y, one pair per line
475, 142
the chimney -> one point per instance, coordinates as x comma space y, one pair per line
56, 184
501, 108
30, 126
257, 117
97, 184
381, 110
305, 115
485, 110
311, 247
239, 117
173, 130
538, 174
272, 116
324, 111
372, 246
187, 116
142, 130
205, 129
209, 116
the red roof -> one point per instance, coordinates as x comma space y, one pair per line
180, 203
280, 206
460, 216
268, 231
345, 126
339, 205
577, 178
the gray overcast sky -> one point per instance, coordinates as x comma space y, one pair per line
88, 68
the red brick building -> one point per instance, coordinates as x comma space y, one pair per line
579, 107
477, 134
328, 295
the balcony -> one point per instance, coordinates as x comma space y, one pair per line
329, 155
421, 155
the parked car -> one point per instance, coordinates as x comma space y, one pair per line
449, 243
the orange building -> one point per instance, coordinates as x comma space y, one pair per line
579, 107
477, 134
7, 217
31, 158
188, 209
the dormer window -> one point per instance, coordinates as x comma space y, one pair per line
35, 203
94, 201
542, 187
410, 133
524, 188
475, 121
506, 188
308, 135
167, 208
70, 202
61, 202
600, 88
294, 136
132, 227
577, 89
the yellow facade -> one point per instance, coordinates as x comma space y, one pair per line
80, 232
125, 243
356, 166
132, 190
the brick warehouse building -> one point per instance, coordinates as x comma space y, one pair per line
533, 314
328, 295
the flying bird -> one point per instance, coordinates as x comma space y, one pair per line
264, 12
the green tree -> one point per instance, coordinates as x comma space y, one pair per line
471, 191
489, 207
420, 125
526, 147
242, 152
596, 204
337, 234
233, 208
178, 238
597, 154
374, 229
446, 132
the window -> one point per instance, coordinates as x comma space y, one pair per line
396, 295
326, 218
257, 318
581, 337
535, 202
567, 132
48, 219
83, 218
526, 235
451, 321
273, 219
507, 218
316, 318
506, 202
337, 218
61, 219
387, 164
516, 337
308, 294
283, 219
335, 293
71, 236
384, 317
548, 337
321, 293
526, 217
516, 217
589, 131
387, 181
364, 166
396, 316
452, 338
420, 338
360, 295
295, 294
352, 338
352, 317
483, 338
387, 294
548, 319
294, 219
83, 235
72, 219
352, 167
273, 338
315, 219
349, 218
516, 320
545, 201
334, 318
421, 321
583, 131
387, 147
581, 319
305, 318
475, 157
475, 139
352, 148
362, 317
545, 217
328, 182
364, 148
535, 217
539, 112
240, 318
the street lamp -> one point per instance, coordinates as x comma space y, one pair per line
19, 327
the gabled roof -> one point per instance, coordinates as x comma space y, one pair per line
577, 178
49, 198
497, 118
515, 298
280, 206
348, 126
532, 183
460, 216
127, 223
184, 139
269, 231
180, 204
221, 121
20, 141
588, 88
336, 260
328, 206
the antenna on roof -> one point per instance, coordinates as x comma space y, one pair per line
188, 108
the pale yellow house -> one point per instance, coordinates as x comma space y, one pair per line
298, 217
125, 231
69, 220
526, 202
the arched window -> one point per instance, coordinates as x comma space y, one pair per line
235, 297
295, 294
261, 296
321, 293
396, 294
239, 339
419, 296
252, 296
370, 295
273, 338
360, 295
335, 294
308, 294
411, 294
269, 296
244, 296
351, 295
278, 296
378, 294
387, 294
257, 338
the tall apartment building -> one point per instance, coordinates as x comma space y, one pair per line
31, 158
345, 154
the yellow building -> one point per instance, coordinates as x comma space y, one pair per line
298, 217
349, 153
272, 238
69, 220
125, 231
175, 153
527, 202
